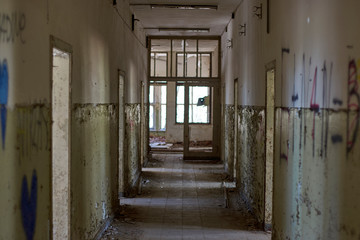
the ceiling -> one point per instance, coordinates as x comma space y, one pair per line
154, 18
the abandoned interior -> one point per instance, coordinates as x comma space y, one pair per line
159, 119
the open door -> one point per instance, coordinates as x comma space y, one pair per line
202, 118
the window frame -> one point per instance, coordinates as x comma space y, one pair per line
167, 64
198, 59
157, 125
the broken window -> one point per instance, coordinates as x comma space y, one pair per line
199, 104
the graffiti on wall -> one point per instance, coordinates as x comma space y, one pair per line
312, 87
29, 205
4, 90
32, 130
353, 106
12, 26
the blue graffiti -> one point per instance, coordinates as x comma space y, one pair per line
28, 206
4, 91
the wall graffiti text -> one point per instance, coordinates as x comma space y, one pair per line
12, 26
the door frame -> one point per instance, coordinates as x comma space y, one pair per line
216, 122
65, 47
269, 169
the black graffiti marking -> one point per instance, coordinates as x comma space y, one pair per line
353, 106
283, 156
336, 139
337, 101
324, 113
294, 98
12, 27
327, 113
32, 131
285, 50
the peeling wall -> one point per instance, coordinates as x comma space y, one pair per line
102, 42
251, 158
132, 154
229, 137
316, 194
93, 177
145, 139
25, 172
316, 178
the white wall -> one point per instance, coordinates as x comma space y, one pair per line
102, 43
305, 36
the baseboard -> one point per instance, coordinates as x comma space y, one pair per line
103, 228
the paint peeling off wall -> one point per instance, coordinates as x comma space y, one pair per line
316, 177
251, 158
93, 178
229, 139
146, 134
24, 173
132, 164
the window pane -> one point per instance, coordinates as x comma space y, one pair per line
178, 60
163, 94
190, 65
180, 95
180, 113
160, 64
211, 46
180, 64
200, 114
151, 118
152, 65
198, 92
163, 117
204, 65
151, 94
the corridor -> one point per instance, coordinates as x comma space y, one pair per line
268, 90
183, 200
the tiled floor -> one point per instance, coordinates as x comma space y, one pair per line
181, 200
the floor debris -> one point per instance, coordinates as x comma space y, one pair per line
184, 200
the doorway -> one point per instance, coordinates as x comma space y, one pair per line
61, 61
201, 108
269, 144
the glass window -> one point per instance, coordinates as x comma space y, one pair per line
157, 100
199, 104
159, 62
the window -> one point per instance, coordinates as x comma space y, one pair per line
158, 64
202, 67
157, 100
199, 104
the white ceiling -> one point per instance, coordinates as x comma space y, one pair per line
216, 20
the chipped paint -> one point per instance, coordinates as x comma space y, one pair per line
303, 209
132, 144
251, 158
25, 173
93, 177
229, 139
